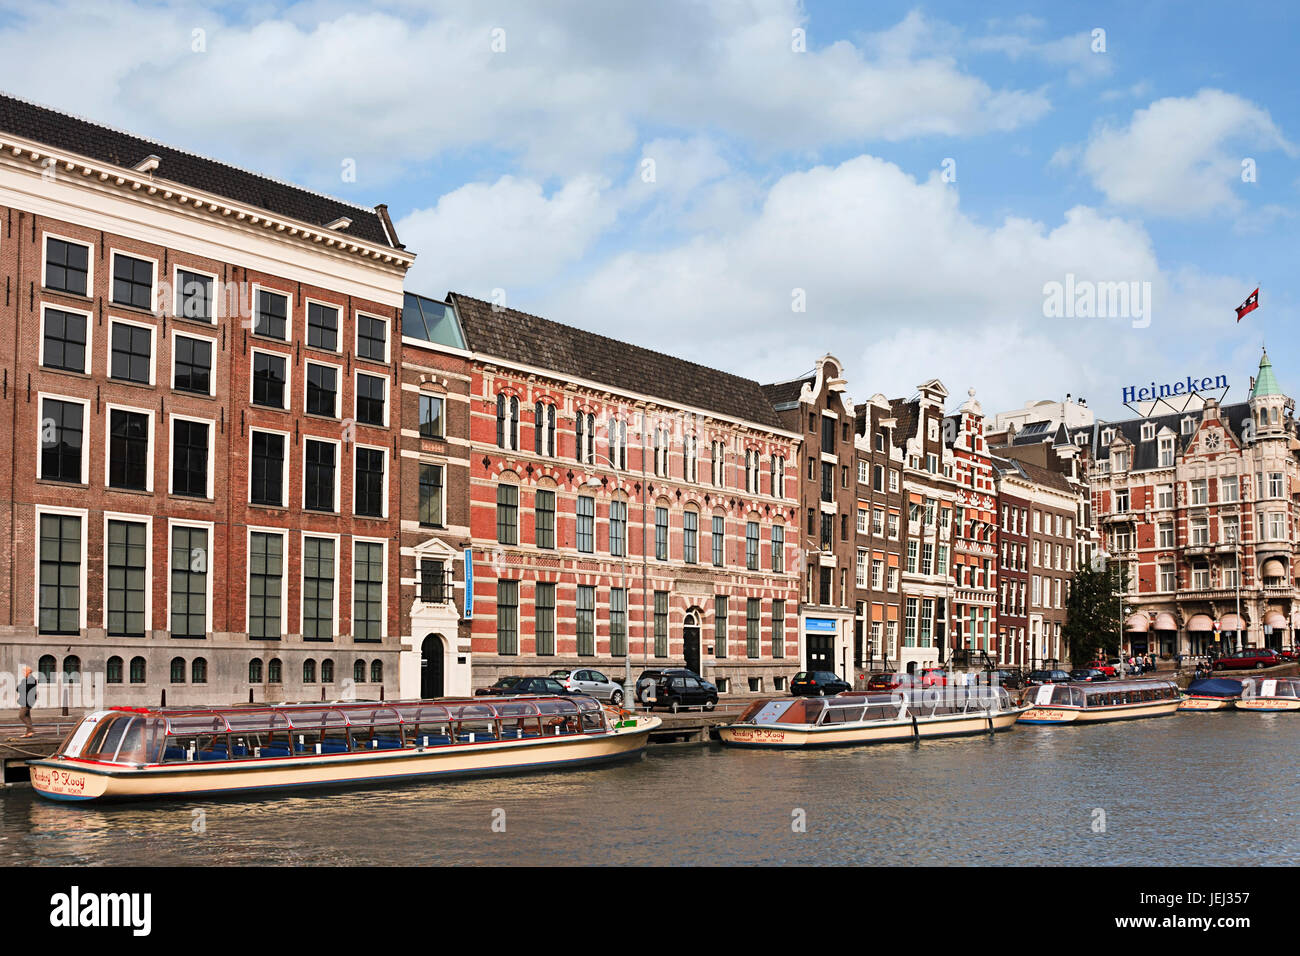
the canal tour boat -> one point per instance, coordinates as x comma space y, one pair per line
1271, 695
1100, 702
852, 719
141, 753
1215, 693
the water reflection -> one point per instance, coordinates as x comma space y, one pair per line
1134, 793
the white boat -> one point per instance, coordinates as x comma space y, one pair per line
853, 719
1101, 702
139, 753
1271, 695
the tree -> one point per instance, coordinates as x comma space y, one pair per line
1095, 612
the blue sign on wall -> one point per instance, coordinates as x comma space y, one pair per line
820, 625
469, 583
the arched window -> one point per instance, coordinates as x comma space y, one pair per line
273, 671
72, 669
45, 667
327, 671
255, 671
359, 672
309, 671
137, 670
113, 671
376, 672
178, 670
199, 671
544, 429
508, 422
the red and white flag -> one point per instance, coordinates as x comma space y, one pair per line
1250, 305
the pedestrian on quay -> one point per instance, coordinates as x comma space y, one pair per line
26, 696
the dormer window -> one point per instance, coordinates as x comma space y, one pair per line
1188, 425
1119, 459
1167, 452
1148, 431
1108, 436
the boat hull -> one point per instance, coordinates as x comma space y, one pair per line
1068, 714
798, 736
82, 781
1206, 703
1269, 704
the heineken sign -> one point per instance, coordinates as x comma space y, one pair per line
1188, 386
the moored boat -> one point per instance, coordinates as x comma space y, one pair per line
853, 719
139, 753
1274, 694
1101, 702
1214, 693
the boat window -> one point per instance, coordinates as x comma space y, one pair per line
77, 737
191, 723
1061, 694
107, 737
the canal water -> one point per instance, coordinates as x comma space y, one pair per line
1189, 789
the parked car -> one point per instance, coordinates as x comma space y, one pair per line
1248, 657
1106, 667
516, 686
584, 680
1290, 654
647, 684
1088, 674
935, 677
818, 684
1049, 677
888, 681
683, 689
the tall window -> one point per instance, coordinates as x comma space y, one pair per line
189, 458
372, 338
131, 353
720, 625
585, 432
719, 541
132, 282
690, 536
322, 390
586, 619
618, 528
778, 629
661, 534
435, 588
265, 585
507, 617
507, 514
661, 624
544, 610
690, 461
270, 374
586, 524
753, 623
718, 462
63, 340
369, 483
778, 548
368, 591
508, 422
127, 554
128, 450
267, 473
431, 416
430, 494
372, 395
544, 429
318, 479
67, 265
322, 326
189, 584
618, 622
778, 476
194, 295
618, 443
544, 518
751, 544
272, 319
60, 590
192, 365
317, 589
61, 440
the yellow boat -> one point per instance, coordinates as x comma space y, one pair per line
1271, 695
1101, 702
139, 753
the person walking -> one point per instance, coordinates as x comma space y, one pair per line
26, 696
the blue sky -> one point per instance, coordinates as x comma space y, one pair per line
914, 175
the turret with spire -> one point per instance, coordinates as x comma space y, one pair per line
1267, 403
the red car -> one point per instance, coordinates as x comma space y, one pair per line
887, 681
1107, 669
1289, 654
1248, 657
934, 677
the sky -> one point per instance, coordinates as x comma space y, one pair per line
924, 190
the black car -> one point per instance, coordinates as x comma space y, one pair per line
681, 688
818, 684
1049, 677
649, 680
516, 686
1087, 674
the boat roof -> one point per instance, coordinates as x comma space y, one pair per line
1215, 687
1113, 685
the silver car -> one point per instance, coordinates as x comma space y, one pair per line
584, 680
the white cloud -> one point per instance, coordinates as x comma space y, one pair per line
1181, 156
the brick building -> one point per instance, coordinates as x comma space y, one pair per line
625, 505
197, 391
975, 535
1200, 506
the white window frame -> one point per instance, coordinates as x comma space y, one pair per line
112, 303
251, 320
153, 350
303, 535
387, 469
84, 515
216, 297
109, 408
340, 333
90, 325
383, 591
172, 417
147, 521
338, 388
288, 377
388, 403
210, 528
86, 425
338, 470
284, 478
90, 262
212, 368
356, 336
248, 580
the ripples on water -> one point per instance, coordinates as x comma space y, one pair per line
1036, 795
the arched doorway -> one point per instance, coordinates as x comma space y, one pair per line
431, 667
691, 640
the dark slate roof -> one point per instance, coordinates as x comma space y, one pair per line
107, 145
1035, 474
785, 395
1146, 454
531, 340
907, 414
